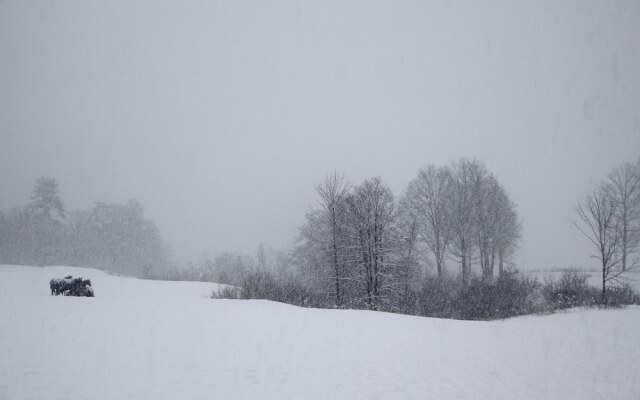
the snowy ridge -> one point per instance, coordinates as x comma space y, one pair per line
165, 340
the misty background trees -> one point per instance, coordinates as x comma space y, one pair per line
113, 237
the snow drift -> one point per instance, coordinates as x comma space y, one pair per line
167, 340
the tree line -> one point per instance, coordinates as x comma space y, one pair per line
366, 248
443, 248
109, 236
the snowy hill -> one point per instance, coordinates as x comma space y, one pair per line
166, 340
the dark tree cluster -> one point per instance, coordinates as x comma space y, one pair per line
113, 237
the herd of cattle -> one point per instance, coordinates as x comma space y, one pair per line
70, 286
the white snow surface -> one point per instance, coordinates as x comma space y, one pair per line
142, 339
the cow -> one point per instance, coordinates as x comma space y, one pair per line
56, 286
85, 291
70, 286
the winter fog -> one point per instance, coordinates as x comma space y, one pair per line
221, 117
319, 199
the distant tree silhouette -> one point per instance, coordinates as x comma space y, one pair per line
625, 189
45, 202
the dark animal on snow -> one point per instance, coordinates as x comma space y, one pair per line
57, 286
70, 286
85, 291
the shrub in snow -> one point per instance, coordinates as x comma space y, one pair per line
263, 284
508, 295
436, 297
571, 290
226, 292
620, 296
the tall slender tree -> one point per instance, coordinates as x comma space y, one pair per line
327, 230
373, 215
428, 201
508, 231
497, 227
598, 223
466, 175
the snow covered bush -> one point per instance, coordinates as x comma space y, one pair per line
621, 296
571, 290
515, 295
436, 297
226, 292
507, 296
285, 288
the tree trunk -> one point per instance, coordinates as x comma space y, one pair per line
492, 262
335, 258
465, 272
439, 264
604, 281
624, 240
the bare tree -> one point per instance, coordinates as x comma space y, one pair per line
625, 188
407, 254
485, 196
462, 210
373, 214
326, 230
428, 201
597, 213
466, 175
508, 231
497, 227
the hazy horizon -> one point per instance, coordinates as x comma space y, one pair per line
221, 117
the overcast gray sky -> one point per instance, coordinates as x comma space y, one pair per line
221, 116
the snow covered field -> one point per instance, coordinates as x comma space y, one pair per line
166, 340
